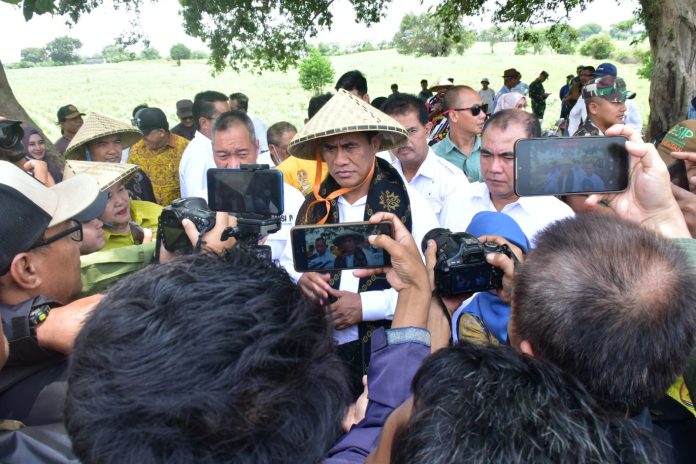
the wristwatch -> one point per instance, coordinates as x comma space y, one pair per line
37, 315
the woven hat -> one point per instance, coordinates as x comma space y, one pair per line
344, 114
681, 137
107, 174
97, 126
340, 238
441, 82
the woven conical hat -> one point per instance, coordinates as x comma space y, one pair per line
107, 174
96, 126
342, 114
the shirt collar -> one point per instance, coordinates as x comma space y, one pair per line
480, 190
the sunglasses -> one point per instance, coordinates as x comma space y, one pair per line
475, 109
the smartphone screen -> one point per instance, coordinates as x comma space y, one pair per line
246, 191
571, 165
332, 247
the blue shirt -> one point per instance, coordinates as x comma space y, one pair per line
470, 164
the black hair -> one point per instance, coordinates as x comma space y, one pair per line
378, 102
504, 118
277, 130
316, 103
234, 118
204, 105
610, 302
403, 103
479, 403
242, 100
352, 80
138, 108
206, 360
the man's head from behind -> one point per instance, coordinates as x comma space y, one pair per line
411, 113
609, 302
355, 83
234, 140
206, 360
207, 106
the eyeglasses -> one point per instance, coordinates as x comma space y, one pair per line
475, 109
74, 231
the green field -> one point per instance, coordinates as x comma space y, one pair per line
114, 89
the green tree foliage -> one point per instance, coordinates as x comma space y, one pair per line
64, 49
530, 40
316, 72
33, 55
587, 30
179, 52
115, 54
493, 35
150, 53
624, 30
599, 47
425, 35
199, 55
646, 69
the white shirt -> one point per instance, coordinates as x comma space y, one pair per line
487, 96
532, 214
632, 118
377, 304
260, 130
439, 182
194, 165
292, 200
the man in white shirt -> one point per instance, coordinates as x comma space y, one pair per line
347, 133
234, 144
198, 155
439, 181
497, 192
486, 93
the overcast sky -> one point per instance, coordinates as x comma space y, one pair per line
163, 25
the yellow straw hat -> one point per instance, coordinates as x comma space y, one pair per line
95, 127
107, 174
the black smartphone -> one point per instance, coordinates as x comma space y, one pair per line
249, 190
571, 165
332, 247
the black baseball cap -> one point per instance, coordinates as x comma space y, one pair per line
68, 112
149, 119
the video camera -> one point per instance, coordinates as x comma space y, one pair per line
461, 265
11, 134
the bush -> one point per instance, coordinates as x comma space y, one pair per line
598, 47
199, 55
522, 48
116, 54
150, 53
626, 56
646, 70
316, 72
33, 55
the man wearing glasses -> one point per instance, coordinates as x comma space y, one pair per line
185, 128
466, 114
39, 277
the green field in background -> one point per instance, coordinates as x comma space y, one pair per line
114, 89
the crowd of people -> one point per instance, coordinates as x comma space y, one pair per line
116, 349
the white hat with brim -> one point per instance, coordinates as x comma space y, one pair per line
442, 82
344, 114
97, 126
29, 207
106, 174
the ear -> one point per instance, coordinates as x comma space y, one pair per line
24, 272
592, 107
429, 127
526, 348
376, 143
366, 98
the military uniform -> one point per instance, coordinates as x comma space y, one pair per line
587, 129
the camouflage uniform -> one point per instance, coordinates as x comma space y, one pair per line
536, 93
587, 129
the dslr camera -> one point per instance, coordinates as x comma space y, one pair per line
461, 265
171, 233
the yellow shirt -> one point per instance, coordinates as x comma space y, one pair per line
143, 213
300, 173
161, 166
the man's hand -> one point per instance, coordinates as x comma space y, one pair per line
59, 330
346, 311
648, 199
356, 411
211, 239
504, 263
687, 204
690, 162
315, 286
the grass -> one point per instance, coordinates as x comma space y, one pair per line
114, 89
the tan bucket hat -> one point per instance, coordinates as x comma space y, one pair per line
441, 82
96, 126
343, 114
107, 174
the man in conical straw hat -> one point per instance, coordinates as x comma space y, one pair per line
103, 139
347, 133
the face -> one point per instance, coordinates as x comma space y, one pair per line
510, 81
484, 84
106, 149
586, 76
72, 125
117, 213
280, 150
347, 246
498, 159
187, 122
92, 237
155, 139
605, 114
206, 122
349, 157
233, 147
37, 147
424, 85
416, 148
521, 104
464, 122
320, 247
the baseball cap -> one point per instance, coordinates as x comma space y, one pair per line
610, 88
149, 119
681, 137
68, 112
485, 79
606, 69
34, 207
184, 108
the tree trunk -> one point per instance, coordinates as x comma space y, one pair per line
11, 109
671, 26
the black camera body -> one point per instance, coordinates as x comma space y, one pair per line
461, 265
171, 233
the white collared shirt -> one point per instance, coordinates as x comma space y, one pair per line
377, 304
194, 165
292, 201
439, 182
532, 214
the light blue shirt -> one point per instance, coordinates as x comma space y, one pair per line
470, 164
